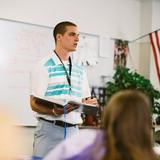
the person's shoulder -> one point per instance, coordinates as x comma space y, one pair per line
46, 61
78, 66
75, 61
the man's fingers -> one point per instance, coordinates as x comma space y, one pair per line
90, 101
59, 110
69, 108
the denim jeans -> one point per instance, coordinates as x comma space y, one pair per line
48, 135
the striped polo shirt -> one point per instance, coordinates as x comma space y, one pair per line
49, 80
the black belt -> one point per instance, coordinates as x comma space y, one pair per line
59, 123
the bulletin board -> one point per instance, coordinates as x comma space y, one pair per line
22, 45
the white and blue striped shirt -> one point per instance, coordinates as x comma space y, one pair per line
49, 80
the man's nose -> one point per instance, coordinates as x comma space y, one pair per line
77, 38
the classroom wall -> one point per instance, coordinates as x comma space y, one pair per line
144, 44
116, 19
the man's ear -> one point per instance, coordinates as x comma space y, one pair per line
58, 37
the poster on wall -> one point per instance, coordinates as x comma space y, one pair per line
121, 51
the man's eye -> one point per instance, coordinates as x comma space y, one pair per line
72, 34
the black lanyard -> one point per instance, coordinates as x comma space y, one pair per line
68, 76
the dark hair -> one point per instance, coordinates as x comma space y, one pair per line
127, 127
60, 28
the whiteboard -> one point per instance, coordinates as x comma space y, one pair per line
22, 45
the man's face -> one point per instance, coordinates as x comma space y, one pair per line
69, 40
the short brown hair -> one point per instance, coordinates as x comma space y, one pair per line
60, 28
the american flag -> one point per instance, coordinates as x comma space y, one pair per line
155, 44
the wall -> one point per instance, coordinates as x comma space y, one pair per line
144, 44
116, 18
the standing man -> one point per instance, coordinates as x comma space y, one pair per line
57, 76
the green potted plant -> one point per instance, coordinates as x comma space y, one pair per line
124, 78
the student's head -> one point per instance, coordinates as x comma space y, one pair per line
66, 35
127, 126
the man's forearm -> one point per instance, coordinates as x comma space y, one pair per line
40, 106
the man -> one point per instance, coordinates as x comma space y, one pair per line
57, 76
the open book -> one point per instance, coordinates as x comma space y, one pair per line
82, 107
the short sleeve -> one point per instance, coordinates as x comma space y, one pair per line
39, 81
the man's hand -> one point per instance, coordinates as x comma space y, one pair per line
70, 107
90, 100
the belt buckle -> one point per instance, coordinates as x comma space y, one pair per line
59, 123
54, 122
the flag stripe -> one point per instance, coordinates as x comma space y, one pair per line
157, 40
155, 56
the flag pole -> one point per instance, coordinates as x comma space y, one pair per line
143, 36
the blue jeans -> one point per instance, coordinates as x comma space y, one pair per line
47, 136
